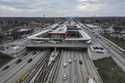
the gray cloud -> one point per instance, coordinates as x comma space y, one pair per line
62, 7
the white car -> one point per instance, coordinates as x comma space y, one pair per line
65, 77
70, 61
98, 49
91, 80
65, 64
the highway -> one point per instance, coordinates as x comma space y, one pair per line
38, 68
114, 51
53, 65
13, 64
76, 72
19, 69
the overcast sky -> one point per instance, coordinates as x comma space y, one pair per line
37, 8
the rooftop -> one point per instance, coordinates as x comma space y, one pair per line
59, 30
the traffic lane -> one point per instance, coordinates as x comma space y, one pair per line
77, 67
74, 75
119, 60
112, 47
60, 74
67, 68
109, 49
93, 35
10, 74
12, 64
71, 69
63, 69
15, 69
26, 69
105, 41
96, 42
83, 69
80, 78
92, 72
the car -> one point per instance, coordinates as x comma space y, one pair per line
65, 64
80, 62
98, 49
70, 61
89, 42
52, 54
6, 67
65, 77
91, 80
18, 61
30, 60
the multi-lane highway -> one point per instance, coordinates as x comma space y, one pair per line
76, 67
14, 72
56, 64
112, 49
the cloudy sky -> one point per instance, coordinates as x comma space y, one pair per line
37, 8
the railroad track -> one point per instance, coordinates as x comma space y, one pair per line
42, 71
36, 68
53, 74
45, 72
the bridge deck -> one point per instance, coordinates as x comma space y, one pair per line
58, 45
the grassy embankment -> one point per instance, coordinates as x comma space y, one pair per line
109, 71
4, 59
118, 41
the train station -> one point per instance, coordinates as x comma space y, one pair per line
65, 36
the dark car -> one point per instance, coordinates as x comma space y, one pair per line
80, 62
6, 67
18, 61
30, 60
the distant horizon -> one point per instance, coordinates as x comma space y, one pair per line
59, 16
